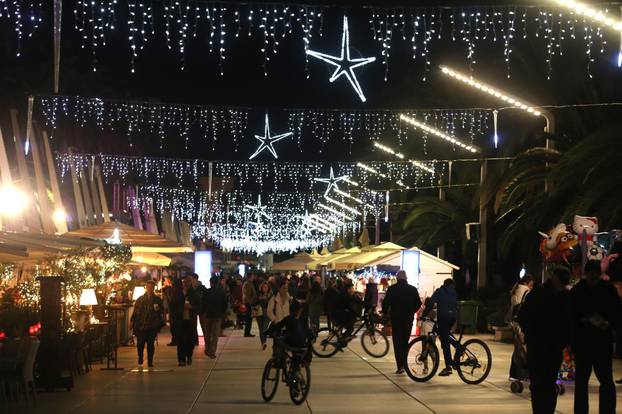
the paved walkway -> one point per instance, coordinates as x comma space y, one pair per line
348, 382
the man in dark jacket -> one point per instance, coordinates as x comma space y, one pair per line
147, 319
189, 303
214, 308
446, 301
545, 318
596, 310
401, 302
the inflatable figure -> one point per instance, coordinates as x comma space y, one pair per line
563, 243
585, 228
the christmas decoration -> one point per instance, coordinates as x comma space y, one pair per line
24, 15
344, 64
267, 141
450, 138
331, 181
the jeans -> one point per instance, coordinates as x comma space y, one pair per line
597, 355
401, 330
262, 323
146, 337
248, 319
444, 332
544, 366
211, 334
186, 337
314, 319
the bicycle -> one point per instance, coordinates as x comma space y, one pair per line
472, 359
289, 365
330, 340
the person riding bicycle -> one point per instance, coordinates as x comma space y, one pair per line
446, 302
293, 329
348, 308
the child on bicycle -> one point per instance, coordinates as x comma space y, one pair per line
294, 330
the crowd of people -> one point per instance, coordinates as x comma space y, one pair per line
581, 319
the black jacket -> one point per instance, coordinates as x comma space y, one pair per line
371, 296
545, 318
594, 303
214, 302
401, 301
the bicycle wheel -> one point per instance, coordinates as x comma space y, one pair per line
325, 344
375, 343
473, 361
269, 380
422, 360
299, 383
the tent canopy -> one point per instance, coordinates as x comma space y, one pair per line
140, 241
298, 262
365, 256
32, 247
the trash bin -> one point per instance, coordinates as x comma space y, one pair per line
467, 315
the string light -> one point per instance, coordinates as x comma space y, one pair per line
344, 64
342, 205
371, 170
325, 207
24, 15
599, 16
440, 134
267, 141
497, 93
401, 156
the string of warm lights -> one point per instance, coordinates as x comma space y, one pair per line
401, 156
492, 91
433, 131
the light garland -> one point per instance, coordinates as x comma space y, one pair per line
492, 91
449, 138
24, 15
267, 141
401, 156
342, 205
479, 26
178, 21
334, 210
246, 175
599, 16
344, 64
213, 123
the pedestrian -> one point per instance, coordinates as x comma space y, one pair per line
278, 305
167, 294
263, 298
236, 298
371, 295
349, 307
293, 286
518, 293
316, 305
545, 318
146, 322
187, 327
175, 298
331, 299
250, 300
446, 301
400, 303
200, 289
596, 310
214, 307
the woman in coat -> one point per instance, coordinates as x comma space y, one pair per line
278, 306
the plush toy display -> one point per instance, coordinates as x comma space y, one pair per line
558, 245
585, 228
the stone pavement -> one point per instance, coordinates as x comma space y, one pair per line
348, 382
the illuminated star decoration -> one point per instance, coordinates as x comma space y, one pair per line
331, 181
267, 141
258, 211
344, 64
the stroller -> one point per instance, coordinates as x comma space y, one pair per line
519, 372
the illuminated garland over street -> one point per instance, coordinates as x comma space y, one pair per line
228, 125
24, 15
177, 21
272, 176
